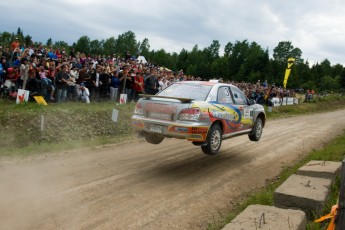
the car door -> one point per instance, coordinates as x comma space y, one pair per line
225, 110
246, 110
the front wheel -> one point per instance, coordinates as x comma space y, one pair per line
214, 140
153, 138
256, 133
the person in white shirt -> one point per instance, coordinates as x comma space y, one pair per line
83, 93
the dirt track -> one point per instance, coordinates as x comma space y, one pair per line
141, 186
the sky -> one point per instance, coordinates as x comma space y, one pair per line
314, 26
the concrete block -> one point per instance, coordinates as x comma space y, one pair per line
308, 194
321, 169
268, 217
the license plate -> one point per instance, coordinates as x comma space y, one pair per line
156, 128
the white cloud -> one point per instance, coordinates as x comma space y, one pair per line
313, 26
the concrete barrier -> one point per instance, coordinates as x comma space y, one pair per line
308, 194
268, 217
321, 169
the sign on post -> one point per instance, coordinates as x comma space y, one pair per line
123, 98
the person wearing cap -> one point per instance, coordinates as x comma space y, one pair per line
83, 93
15, 44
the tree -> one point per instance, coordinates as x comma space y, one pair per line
181, 60
28, 40
83, 45
281, 54
342, 79
236, 60
62, 45
49, 42
214, 50
5, 38
144, 48
109, 46
19, 32
126, 42
329, 83
228, 49
285, 50
255, 62
96, 47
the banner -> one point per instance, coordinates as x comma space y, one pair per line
123, 98
288, 70
22, 96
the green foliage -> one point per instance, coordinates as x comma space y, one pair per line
83, 45
242, 60
96, 47
49, 42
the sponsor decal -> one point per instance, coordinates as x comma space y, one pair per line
181, 129
223, 115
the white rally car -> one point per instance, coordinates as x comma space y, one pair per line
202, 112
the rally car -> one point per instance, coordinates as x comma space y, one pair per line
203, 112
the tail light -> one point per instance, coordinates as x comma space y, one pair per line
139, 109
190, 114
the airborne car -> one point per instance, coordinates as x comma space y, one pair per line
203, 112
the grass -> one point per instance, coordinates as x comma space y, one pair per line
66, 126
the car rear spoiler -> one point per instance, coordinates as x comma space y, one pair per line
181, 99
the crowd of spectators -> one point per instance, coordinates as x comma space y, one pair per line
59, 76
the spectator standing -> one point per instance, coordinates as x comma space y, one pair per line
61, 82
96, 83
23, 70
83, 75
114, 83
72, 84
151, 83
15, 44
138, 85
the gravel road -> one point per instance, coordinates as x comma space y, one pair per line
137, 185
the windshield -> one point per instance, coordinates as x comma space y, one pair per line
196, 91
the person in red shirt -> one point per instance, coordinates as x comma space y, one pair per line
15, 44
138, 85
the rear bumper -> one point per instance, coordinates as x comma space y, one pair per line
192, 131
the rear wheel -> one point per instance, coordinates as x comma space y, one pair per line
153, 138
214, 140
256, 133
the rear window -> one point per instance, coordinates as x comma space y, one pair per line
194, 91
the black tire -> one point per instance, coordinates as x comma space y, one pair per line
214, 140
153, 138
256, 133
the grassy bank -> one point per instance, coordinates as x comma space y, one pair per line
31, 128
71, 125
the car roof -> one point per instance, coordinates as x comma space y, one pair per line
211, 83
